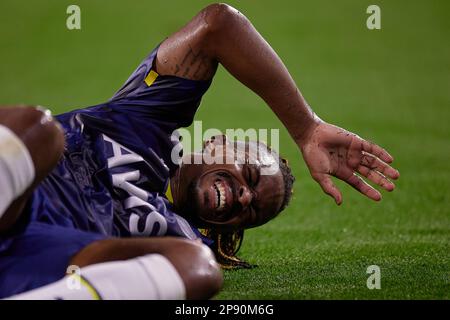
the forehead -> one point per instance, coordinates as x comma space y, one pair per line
238, 152
252, 151
256, 153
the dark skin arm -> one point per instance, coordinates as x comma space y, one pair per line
221, 34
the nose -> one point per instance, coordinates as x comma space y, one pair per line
245, 196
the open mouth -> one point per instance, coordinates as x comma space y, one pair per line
221, 196
217, 197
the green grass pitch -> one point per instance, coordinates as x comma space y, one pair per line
390, 85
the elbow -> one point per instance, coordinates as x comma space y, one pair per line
221, 17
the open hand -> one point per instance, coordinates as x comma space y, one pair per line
332, 151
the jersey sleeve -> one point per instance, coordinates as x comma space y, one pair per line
160, 97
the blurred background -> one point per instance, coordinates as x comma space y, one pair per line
391, 86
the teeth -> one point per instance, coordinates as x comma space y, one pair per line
217, 195
220, 195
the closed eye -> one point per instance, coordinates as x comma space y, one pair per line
252, 175
249, 175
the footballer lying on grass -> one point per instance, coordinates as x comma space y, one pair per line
93, 188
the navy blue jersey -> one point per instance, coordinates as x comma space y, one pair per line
111, 181
117, 163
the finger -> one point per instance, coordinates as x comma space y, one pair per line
373, 163
376, 150
328, 187
376, 177
359, 184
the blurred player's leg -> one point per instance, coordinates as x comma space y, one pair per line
16, 168
150, 277
157, 268
31, 143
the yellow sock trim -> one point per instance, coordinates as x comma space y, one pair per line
88, 286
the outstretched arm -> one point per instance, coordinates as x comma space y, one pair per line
221, 34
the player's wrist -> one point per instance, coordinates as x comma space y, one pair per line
304, 133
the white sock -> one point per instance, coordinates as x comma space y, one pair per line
151, 277
16, 168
